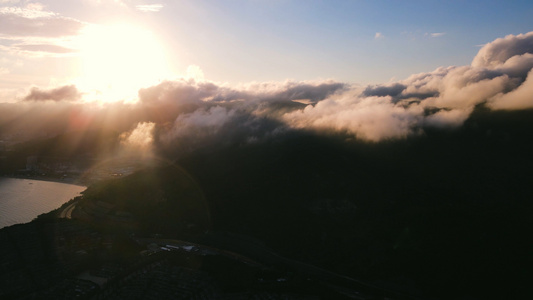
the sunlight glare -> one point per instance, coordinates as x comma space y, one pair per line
119, 59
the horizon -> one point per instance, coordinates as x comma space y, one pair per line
109, 50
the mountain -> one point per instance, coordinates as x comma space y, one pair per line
447, 211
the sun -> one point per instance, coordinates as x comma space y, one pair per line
117, 60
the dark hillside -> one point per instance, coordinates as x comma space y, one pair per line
449, 210
441, 213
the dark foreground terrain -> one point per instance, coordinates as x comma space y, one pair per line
443, 215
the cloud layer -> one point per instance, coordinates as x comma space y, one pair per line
499, 77
194, 112
64, 93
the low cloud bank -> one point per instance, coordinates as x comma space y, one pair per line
192, 111
500, 77
64, 93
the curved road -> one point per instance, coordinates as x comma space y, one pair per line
67, 211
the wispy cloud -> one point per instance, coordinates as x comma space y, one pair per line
32, 21
46, 48
437, 34
29, 12
149, 7
33, 31
378, 36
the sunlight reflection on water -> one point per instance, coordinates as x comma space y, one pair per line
21, 200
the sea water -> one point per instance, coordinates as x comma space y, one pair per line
21, 200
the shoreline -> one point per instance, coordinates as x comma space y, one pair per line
72, 181
21, 216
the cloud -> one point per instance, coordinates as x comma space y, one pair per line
443, 98
108, 3
32, 21
437, 34
190, 91
496, 53
208, 121
31, 30
368, 118
140, 139
149, 7
64, 93
392, 90
289, 90
448, 118
204, 112
378, 36
203, 107
31, 11
192, 112
520, 98
463, 87
46, 48
179, 92
517, 66
312, 91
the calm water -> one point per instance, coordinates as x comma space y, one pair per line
21, 200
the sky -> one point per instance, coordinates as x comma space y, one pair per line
376, 70
93, 43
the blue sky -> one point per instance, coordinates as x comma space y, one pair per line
336, 39
240, 41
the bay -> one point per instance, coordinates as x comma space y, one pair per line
21, 200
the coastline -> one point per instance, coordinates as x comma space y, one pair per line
72, 181
24, 198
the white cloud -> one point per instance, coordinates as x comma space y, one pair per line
29, 12
120, 3
497, 52
448, 118
368, 118
141, 138
437, 34
149, 7
378, 36
520, 98
443, 98
463, 87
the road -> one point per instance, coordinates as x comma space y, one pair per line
67, 211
